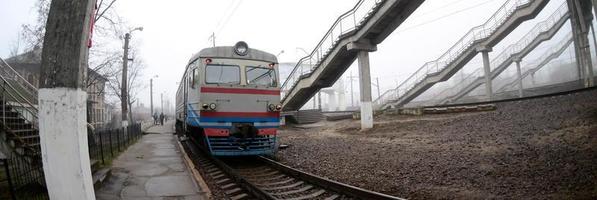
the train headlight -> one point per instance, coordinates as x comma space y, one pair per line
205, 106
241, 48
271, 107
278, 107
212, 106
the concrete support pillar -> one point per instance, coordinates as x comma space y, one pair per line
365, 86
519, 78
319, 100
62, 101
341, 95
332, 101
487, 68
580, 29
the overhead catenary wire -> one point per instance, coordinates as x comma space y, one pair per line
443, 16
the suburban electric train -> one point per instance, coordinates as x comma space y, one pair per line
228, 101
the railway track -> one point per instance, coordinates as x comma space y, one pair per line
263, 178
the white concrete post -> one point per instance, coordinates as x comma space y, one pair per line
62, 101
519, 74
341, 94
332, 101
365, 86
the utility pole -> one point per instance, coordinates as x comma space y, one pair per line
162, 101
62, 100
123, 88
378, 92
151, 96
351, 93
213, 38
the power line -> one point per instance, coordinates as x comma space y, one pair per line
227, 19
443, 16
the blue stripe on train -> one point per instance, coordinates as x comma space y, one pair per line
239, 119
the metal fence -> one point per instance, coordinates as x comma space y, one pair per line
20, 179
104, 145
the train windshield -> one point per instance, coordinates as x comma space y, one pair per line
261, 76
222, 74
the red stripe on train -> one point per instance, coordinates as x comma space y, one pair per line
239, 114
239, 91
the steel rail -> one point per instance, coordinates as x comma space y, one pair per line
261, 192
335, 186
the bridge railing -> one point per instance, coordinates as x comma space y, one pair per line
550, 54
524, 42
9, 73
472, 37
348, 22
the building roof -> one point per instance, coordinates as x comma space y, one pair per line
31, 61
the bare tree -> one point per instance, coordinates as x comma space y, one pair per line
134, 83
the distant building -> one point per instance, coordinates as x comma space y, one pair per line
28, 65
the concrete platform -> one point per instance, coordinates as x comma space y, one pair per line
153, 168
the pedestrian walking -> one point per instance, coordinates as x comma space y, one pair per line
162, 119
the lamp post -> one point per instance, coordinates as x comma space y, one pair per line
151, 93
162, 102
124, 92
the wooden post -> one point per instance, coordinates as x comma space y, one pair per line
62, 100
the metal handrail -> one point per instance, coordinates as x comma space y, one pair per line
10, 72
473, 36
517, 48
19, 100
345, 23
541, 61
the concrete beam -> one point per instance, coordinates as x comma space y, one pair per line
362, 45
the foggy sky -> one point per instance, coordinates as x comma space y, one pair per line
176, 29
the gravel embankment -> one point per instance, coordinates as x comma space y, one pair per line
534, 149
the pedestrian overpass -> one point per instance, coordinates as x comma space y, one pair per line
358, 30
479, 39
514, 53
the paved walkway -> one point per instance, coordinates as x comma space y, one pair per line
153, 168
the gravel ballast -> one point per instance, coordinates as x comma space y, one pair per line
533, 149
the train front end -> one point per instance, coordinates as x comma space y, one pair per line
239, 102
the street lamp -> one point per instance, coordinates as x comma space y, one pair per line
123, 92
151, 93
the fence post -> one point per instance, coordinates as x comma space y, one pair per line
101, 143
118, 138
111, 147
10, 185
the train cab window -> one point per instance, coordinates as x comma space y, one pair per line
222, 74
261, 76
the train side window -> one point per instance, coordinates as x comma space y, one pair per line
195, 76
189, 81
192, 78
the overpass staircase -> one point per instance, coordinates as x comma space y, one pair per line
509, 16
367, 24
18, 114
544, 60
542, 32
